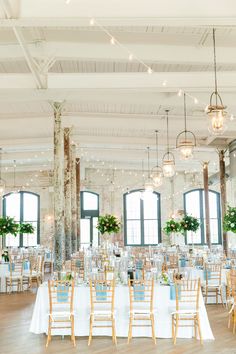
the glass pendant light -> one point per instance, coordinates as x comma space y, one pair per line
156, 172
148, 185
186, 140
168, 160
216, 110
2, 182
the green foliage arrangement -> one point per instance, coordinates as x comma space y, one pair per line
8, 225
108, 224
26, 228
189, 223
229, 222
172, 226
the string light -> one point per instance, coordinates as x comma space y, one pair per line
131, 57
112, 41
91, 22
149, 70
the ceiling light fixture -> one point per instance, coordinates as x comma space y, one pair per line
168, 160
216, 110
186, 140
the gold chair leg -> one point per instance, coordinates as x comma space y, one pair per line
90, 330
114, 331
49, 332
153, 329
176, 328
199, 330
130, 329
221, 296
173, 327
217, 297
73, 329
206, 295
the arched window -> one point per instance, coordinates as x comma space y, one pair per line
194, 205
142, 218
89, 203
24, 207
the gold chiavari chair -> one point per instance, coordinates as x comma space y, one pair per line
141, 294
173, 262
231, 297
15, 277
61, 303
102, 303
212, 286
187, 294
77, 266
109, 272
35, 274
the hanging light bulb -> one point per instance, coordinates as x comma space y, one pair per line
186, 140
14, 189
148, 185
216, 111
2, 182
156, 172
168, 160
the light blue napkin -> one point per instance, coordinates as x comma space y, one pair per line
62, 293
101, 295
173, 292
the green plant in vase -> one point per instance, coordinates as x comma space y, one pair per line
108, 224
8, 226
189, 223
172, 227
26, 228
229, 222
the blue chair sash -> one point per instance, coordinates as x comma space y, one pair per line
173, 292
101, 294
139, 294
207, 274
62, 293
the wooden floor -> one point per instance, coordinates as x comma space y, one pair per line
15, 316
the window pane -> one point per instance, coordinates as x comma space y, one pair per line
133, 205
30, 209
90, 201
214, 230
150, 206
213, 205
85, 232
150, 231
194, 237
192, 203
13, 205
133, 232
12, 241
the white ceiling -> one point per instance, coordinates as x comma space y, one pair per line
49, 52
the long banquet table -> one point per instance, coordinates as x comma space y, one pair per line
162, 304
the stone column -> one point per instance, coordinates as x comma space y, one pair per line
67, 192
223, 195
206, 200
59, 239
73, 200
78, 200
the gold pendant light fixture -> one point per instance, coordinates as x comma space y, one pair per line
186, 140
156, 172
216, 110
168, 160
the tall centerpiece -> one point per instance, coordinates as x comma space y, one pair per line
108, 225
172, 228
190, 224
229, 222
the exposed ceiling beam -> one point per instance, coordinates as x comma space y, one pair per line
19, 36
113, 12
163, 54
197, 81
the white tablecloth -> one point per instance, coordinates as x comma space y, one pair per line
4, 270
162, 304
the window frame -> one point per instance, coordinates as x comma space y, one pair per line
202, 217
142, 244
21, 236
89, 214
